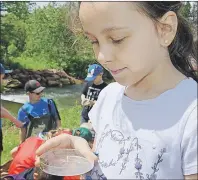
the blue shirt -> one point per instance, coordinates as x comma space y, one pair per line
36, 110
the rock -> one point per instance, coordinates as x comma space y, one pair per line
55, 76
43, 79
21, 75
47, 73
38, 79
53, 83
62, 74
23, 81
37, 76
43, 84
72, 79
23, 78
51, 78
14, 76
14, 83
54, 70
26, 73
38, 72
31, 73
60, 85
17, 71
31, 77
65, 81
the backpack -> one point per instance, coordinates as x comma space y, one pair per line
54, 123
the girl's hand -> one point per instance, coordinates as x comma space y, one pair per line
68, 142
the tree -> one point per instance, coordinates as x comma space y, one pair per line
13, 33
50, 35
19, 8
186, 10
194, 13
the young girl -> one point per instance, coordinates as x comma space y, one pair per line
146, 123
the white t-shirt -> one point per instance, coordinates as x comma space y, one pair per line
150, 139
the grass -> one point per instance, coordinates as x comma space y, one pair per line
10, 140
34, 62
70, 118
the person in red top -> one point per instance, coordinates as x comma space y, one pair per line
25, 155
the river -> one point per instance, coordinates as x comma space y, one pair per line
66, 96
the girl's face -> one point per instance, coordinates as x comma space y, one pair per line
124, 40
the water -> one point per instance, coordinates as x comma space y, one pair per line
65, 97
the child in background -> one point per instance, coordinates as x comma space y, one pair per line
40, 113
84, 133
89, 126
91, 90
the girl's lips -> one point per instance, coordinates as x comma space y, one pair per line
117, 71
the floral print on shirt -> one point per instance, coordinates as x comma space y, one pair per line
123, 155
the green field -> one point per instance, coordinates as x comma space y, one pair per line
70, 118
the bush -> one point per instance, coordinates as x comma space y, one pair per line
35, 62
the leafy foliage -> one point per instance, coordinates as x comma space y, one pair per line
42, 38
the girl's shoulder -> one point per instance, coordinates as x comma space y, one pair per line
114, 85
112, 89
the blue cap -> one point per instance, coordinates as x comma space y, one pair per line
93, 71
3, 71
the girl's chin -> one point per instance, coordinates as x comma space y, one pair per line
125, 81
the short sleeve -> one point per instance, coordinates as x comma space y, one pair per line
105, 103
22, 116
94, 114
189, 144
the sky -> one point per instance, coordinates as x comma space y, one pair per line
45, 3
41, 4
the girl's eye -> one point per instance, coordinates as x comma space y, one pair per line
91, 40
94, 42
118, 41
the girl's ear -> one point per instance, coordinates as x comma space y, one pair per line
167, 28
